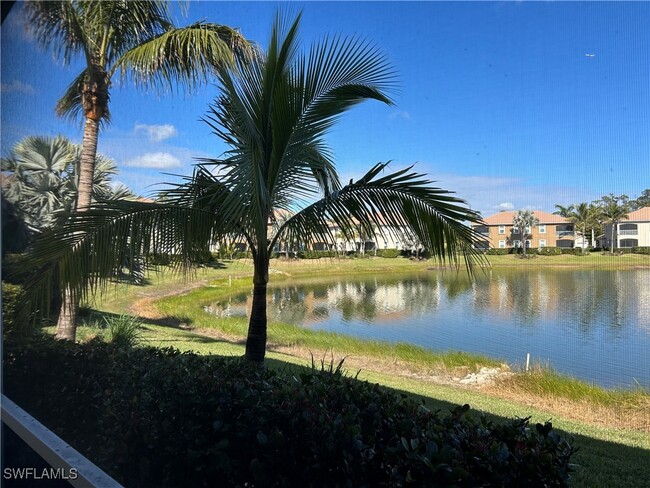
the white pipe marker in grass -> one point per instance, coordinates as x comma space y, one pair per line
527, 361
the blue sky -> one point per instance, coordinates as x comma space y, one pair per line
512, 104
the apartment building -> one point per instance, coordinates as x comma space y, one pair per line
498, 232
631, 232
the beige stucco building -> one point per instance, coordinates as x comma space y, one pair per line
631, 232
498, 232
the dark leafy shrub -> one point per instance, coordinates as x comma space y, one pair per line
307, 254
160, 259
641, 250
153, 417
388, 253
11, 295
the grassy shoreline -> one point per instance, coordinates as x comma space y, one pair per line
184, 310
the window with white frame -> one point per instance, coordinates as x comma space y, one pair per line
515, 230
542, 243
502, 229
502, 244
527, 229
542, 229
517, 244
528, 243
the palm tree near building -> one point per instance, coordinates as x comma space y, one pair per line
595, 221
273, 114
563, 211
132, 40
614, 209
581, 216
524, 221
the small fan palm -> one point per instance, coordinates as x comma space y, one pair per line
273, 113
41, 180
136, 39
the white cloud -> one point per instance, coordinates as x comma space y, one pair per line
17, 87
504, 207
156, 133
159, 160
400, 114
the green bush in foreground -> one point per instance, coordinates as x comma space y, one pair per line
154, 417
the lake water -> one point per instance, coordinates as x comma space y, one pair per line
590, 324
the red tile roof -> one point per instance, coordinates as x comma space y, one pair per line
641, 215
505, 218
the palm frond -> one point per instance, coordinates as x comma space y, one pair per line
186, 55
86, 251
402, 203
57, 24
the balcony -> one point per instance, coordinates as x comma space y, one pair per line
565, 233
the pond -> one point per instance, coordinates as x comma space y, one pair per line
590, 324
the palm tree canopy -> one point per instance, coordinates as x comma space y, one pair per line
136, 38
615, 208
524, 219
563, 211
42, 177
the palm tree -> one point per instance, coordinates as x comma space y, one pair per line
273, 113
581, 215
563, 211
136, 39
614, 209
524, 220
41, 180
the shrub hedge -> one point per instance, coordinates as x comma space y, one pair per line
11, 295
158, 417
388, 253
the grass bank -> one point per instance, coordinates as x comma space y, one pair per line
608, 456
164, 307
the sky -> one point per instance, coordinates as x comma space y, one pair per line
509, 104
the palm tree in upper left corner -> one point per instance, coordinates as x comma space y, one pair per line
136, 39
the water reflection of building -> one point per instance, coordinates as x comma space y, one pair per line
366, 300
526, 294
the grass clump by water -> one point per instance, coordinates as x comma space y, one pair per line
121, 330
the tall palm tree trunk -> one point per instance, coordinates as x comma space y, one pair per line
612, 246
256, 339
66, 326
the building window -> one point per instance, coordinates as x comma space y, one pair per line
517, 244
502, 229
527, 243
542, 229
527, 229
542, 243
502, 244
515, 230
629, 243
